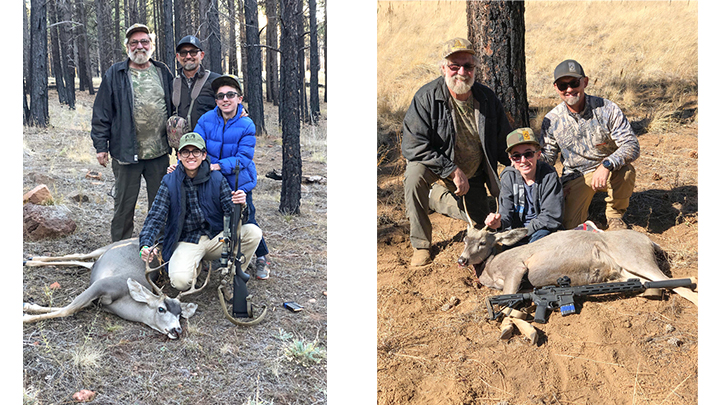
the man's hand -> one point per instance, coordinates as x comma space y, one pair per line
147, 253
600, 178
171, 168
238, 197
493, 220
460, 181
102, 158
215, 166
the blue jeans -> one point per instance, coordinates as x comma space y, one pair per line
540, 233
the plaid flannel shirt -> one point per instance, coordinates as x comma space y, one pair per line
194, 225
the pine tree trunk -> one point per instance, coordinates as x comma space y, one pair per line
67, 56
105, 37
243, 48
314, 65
271, 58
213, 54
232, 48
39, 74
497, 31
26, 66
83, 44
180, 21
57, 68
168, 36
253, 91
119, 37
290, 42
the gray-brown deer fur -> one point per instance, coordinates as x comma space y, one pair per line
118, 282
586, 257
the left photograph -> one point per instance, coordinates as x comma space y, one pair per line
175, 202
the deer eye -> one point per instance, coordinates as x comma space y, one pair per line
481, 243
161, 310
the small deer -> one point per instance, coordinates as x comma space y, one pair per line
119, 281
585, 257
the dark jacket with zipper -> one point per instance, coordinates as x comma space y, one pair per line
204, 102
429, 130
113, 123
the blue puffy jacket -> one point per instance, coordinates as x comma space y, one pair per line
230, 143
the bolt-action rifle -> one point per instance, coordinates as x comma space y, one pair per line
563, 296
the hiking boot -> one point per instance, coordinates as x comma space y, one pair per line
615, 224
261, 271
227, 292
421, 257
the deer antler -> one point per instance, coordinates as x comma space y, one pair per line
149, 270
485, 228
193, 288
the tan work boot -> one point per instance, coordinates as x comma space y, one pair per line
421, 257
615, 224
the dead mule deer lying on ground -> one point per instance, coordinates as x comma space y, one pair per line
118, 280
585, 257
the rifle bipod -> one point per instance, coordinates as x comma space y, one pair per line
251, 308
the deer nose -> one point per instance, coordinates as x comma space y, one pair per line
462, 262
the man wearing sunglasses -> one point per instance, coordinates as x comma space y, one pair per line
597, 146
129, 118
189, 55
453, 137
531, 195
190, 206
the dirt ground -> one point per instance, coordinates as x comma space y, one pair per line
628, 350
280, 361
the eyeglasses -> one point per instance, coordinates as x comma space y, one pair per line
516, 157
195, 152
230, 95
573, 84
455, 67
192, 52
134, 43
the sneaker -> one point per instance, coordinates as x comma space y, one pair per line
421, 257
615, 224
261, 271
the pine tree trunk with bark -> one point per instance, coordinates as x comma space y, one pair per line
232, 48
39, 115
56, 58
314, 65
67, 55
213, 54
271, 57
105, 37
253, 92
497, 31
290, 70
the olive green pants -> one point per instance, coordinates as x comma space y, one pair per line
424, 194
579, 194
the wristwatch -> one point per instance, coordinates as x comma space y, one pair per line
607, 164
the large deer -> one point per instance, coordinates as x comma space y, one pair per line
119, 281
585, 257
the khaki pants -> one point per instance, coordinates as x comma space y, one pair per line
579, 194
419, 201
187, 256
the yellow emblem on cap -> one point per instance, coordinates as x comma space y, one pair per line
525, 135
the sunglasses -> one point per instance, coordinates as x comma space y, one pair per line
455, 67
230, 95
192, 52
516, 157
573, 84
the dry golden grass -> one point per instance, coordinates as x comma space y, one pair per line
639, 54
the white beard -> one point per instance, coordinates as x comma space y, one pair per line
141, 57
459, 86
572, 100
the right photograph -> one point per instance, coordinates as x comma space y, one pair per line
537, 202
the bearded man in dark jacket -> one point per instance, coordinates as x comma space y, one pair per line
453, 136
129, 119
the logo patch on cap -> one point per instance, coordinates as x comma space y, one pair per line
571, 67
525, 135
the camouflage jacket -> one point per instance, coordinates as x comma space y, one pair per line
601, 131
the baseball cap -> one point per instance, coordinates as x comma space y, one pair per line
457, 45
227, 80
521, 136
570, 68
135, 28
189, 40
192, 138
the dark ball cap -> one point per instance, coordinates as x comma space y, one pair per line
570, 68
189, 40
227, 80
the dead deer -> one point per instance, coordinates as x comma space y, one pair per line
119, 281
585, 257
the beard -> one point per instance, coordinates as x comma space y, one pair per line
191, 66
140, 56
459, 84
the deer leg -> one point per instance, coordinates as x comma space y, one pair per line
107, 290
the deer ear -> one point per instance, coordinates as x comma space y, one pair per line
188, 309
138, 292
511, 237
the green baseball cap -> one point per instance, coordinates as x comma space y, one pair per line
456, 45
521, 136
192, 138
227, 80
570, 68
